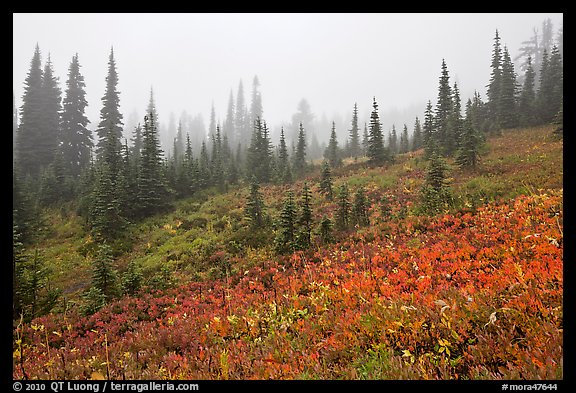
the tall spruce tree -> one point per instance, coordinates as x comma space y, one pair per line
468, 152
428, 132
393, 141
332, 152
326, 180
444, 107
550, 93
404, 140
527, 100
152, 189
507, 101
283, 170
286, 233
377, 153
417, 137
259, 159
255, 205
344, 207
110, 116
303, 240
76, 138
29, 129
493, 88
256, 110
51, 117
360, 208
354, 146
299, 160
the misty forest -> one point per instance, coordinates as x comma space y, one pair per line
161, 247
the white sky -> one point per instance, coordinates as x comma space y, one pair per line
332, 60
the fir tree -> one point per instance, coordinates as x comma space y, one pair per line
354, 148
152, 190
344, 207
417, 138
241, 120
76, 138
527, 100
110, 116
29, 129
494, 85
365, 140
360, 208
393, 141
303, 240
508, 112
559, 121
377, 153
131, 279
284, 173
286, 235
326, 180
444, 107
428, 135
104, 276
467, 156
325, 230
332, 152
435, 191
204, 175
550, 93
299, 162
255, 205
259, 157
256, 111
51, 115
404, 140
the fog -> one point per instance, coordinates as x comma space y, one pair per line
194, 61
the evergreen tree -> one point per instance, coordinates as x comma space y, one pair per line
444, 107
229, 128
360, 208
454, 124
110, 116
326, 180
286, 235
435, 191
299, 161
212, 125
14, 127
303, 240
325, 230
365, 140
76, 138
136, 148
393, 141
559, 121
344, 207
51, 115
256, 103
417, 137
508, 112
216, 164
377, 153
104, 276
29, 130
332, 152
527, 100
284, 173
204, 175
404, 140
259, 157
255, 205
494, 85
428, 134
467, 155
241, 120
550, 94
152, 190
354, 148
131, 279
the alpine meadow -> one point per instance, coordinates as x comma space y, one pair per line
368, 245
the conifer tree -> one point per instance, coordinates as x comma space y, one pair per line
494, 85
559, 121
550, 93
326, 180
303, 240
344, 207
256, 110
204, 175
14, 127
259, 159
255, 205
241, 120
104, 276
444, 107
428, 134
454, 124
404, 140
51, 117
435, 191
417, 137
284, 173
507, 102
29, 129
131, 279
76, 138
110, 116
152, 190
393, 141
354, 148
467, 156
299, 161
325, 230
377, 153
286, 235
360, 208
332, 152
527, 100
229, 128
365, 140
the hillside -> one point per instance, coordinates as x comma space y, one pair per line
473, 293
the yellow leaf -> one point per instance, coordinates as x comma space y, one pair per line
97, 376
